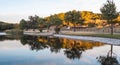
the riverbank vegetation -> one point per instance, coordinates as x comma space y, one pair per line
5, 26
14, 32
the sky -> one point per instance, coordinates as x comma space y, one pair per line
13, 11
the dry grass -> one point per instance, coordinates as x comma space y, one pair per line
92, 34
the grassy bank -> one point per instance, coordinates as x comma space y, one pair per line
115, 36
14, 31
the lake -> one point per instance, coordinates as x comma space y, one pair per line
41, 50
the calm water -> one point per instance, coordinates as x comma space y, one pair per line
33, 50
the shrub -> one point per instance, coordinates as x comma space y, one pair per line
57, 30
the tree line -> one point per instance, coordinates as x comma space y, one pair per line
109, 16
75, 18
5, 26
70, 18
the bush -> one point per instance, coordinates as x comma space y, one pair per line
40, 29
57, 30
14, 31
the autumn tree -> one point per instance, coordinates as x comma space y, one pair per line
87, 15
109, 13
90, 18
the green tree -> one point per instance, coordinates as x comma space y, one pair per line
55, 20
109, 13
73, 17
33, 23
22, 24
41, 24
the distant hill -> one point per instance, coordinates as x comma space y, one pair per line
5, 26
1, 22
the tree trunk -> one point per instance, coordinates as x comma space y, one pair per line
111, 50
48, 27
57, 29
111, 29
74, 28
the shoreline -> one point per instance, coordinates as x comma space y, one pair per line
87, 38
92, 34
95, 39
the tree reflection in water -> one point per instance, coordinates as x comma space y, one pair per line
55, 45
109, 59
9, 37
33, 42
73, 53
72, 48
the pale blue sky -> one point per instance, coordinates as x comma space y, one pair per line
14, 10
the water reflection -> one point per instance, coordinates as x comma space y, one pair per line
72, 48
73, 53
33, 42
9, 37
39, 43
109, 59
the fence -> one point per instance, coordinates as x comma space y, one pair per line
99, 30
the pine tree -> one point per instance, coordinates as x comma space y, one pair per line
109, 13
